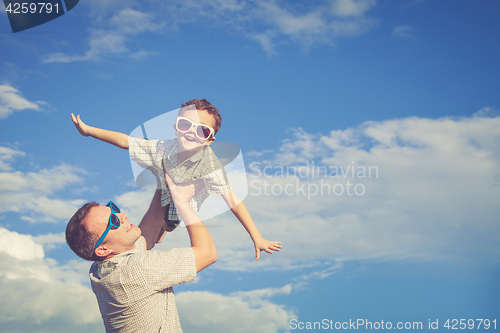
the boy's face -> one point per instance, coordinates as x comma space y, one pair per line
189, 140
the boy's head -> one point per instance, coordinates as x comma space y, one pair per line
204, 105
197, 123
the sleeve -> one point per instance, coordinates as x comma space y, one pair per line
164, 269
144, 152
216, 181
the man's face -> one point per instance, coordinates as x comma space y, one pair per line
189, 140
117, 240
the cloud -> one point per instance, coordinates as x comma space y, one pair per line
7, 156
403, 31
11, 100
40, 295
115, 25
351, 7
433, 193
50, 241
21, 247
249, 311
31, 192
113, 39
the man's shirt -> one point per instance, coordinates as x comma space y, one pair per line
134, 288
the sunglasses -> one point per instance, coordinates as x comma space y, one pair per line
203, 132
114, 222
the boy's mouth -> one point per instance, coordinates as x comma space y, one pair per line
190, 139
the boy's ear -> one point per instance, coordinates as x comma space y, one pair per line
209, 141
102, 251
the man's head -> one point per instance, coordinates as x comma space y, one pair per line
90, 222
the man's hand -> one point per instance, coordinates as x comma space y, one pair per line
263, 244
182, 193
80, 125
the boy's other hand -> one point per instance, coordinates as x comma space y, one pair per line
265, 245
80, 125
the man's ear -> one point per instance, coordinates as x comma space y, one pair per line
209, 141
102, 251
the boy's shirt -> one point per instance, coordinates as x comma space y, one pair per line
160, 155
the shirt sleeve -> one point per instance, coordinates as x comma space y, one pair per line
164, 269
216, 182
144, 152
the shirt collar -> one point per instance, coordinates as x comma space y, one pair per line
139, 246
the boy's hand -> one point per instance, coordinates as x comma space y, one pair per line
262, 244
80, 125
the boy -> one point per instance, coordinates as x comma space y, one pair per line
186, 158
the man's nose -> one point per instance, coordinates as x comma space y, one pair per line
123, 216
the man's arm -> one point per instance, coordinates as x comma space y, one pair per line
201, 242
152, 221
115, 138
240, 211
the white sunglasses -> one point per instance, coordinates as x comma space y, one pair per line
203, 132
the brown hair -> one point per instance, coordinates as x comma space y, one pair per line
78, 237
203, 104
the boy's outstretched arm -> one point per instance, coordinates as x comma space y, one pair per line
115, 138
241, 212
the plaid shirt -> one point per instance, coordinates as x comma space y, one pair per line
134, 288
162, 155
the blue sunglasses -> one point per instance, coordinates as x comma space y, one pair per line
114, 222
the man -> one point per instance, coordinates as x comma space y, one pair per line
133, 285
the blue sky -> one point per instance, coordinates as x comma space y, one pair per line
409, 88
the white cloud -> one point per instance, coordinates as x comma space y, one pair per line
31, 192
129, 21
7, 156
270, 23
435, 197
403, 31
141, 54
113, 39
50, 241
240, 312
21, 247
40, 295
351, 7
11, 100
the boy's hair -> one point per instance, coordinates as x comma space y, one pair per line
78, 237
203, 104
